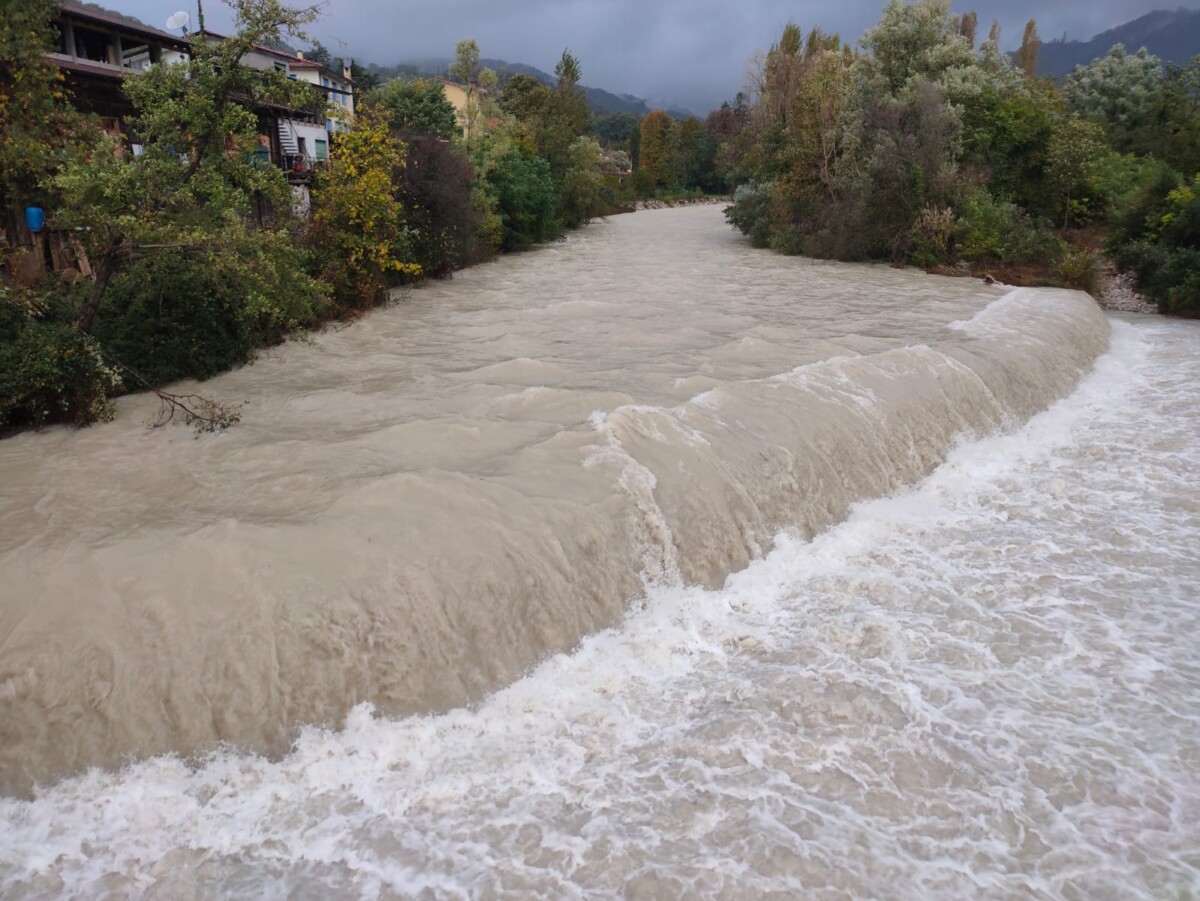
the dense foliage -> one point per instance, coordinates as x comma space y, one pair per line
920, 146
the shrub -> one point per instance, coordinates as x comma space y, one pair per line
750, 213
992, 230
1178, 290
1080, 269
50, 371
173, 316
525, 198
1159, 240
931, 241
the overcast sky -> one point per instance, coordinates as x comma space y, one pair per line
690, 53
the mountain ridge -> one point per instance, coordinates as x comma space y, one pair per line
598, 99
1172, 34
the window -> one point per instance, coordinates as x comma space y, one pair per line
281, 67
322, 149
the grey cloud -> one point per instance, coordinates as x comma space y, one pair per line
689, 52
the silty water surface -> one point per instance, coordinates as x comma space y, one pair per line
985, 685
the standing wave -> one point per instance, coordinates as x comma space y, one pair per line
424, 591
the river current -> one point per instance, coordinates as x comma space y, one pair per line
647, 565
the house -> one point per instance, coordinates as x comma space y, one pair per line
462, 102
299, 141
97, 49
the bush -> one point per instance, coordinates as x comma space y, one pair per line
525, 198
931, 241
1168, 276
173, 316
49, 370
1159, 240
991, 230
1080, 269
750, 213
444, 219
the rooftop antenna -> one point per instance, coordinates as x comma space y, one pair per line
179, 20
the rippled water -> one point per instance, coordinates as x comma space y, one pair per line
986, 685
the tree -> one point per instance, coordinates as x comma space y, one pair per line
318, 54
583, 184
1124, 90
1026, 58
613, 129
466, 69
359, 225
37, 123
417, 106
657, 148
196, 181
967, 27
436, 193
1073, 151
917, 40
1173, 132
572, 104
526, 196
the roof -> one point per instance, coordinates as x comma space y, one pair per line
296, 62
120, 23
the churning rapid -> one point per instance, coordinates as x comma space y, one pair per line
983, 685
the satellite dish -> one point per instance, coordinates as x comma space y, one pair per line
179, 20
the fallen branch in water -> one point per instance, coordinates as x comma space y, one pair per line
204, 413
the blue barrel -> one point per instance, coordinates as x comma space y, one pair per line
35, 218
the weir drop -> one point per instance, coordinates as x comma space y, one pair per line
889, 578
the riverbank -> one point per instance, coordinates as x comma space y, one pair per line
1118, 292
682, 202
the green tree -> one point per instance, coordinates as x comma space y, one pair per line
526, 197
1173, 132
613, 129
37, 123
583, 184
419, 106
1123, 90
1073, 151
197, 180
477, 80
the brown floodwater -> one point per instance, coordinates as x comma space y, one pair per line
420, 506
